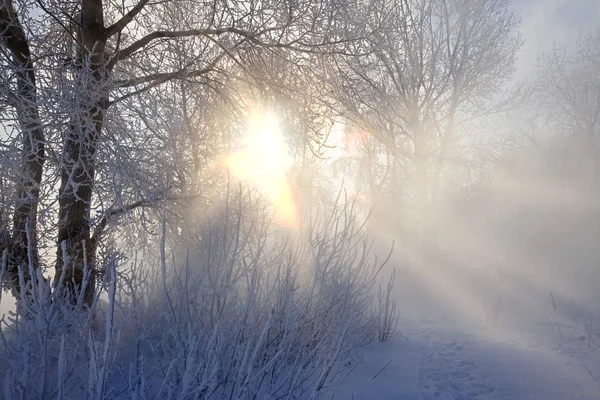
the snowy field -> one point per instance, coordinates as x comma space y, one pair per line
449, 356
198, 199
509, 312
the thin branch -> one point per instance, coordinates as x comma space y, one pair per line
113, 213
161, 77
56, 19
126, 19
139, 44
158, 79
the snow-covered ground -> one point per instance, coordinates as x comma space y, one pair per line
454, 364
453, 345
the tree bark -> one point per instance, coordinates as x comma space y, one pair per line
22, 244
75, 261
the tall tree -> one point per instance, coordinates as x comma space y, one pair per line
431, 69
74, 63
568, 94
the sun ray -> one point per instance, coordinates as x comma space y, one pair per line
264, 161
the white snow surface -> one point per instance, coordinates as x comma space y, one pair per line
444, 352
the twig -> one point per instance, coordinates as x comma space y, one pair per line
382, 369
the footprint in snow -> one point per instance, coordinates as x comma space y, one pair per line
446, 373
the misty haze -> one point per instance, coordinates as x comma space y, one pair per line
300, 199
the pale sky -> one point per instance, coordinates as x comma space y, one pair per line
545, 22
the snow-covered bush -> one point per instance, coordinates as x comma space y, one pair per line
387, 313
235, 308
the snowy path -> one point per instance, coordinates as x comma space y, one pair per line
447, 373
522, 370
459, 366
387, 371
443, 356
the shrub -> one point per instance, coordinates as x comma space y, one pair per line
234, 308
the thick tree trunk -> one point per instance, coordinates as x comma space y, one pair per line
23, 241
75, 262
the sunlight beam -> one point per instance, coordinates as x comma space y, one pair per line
264, 162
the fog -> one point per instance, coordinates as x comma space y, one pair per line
522, 251
250, 199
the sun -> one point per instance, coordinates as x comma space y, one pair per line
264, 161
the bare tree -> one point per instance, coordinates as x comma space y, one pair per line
427, 74
25, 102
568, 93
74, 63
